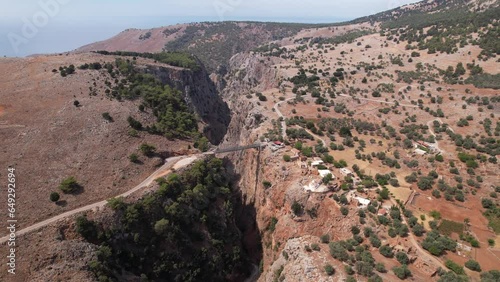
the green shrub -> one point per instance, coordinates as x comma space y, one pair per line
107, 117
315, 247
133, 158
147, 149
435, 214
54, 197
69, 185
402, 272
134, 123
344, 211
455, 267
473, 265
86, 228
161, 226
133, 133
297, 208
484, 80
380, 267
116, 203
375, 241
355, 230
402, 258
178, 59
287, 158
386, 251
272, 225
338, 251
490, 276
203, 144
262, 98
329, 270
437, 244
198, 198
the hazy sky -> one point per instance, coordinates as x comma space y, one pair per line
49, 26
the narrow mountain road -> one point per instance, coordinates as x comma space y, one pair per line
317, 137
430, 125
277, 110
174, 162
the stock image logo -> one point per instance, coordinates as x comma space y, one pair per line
31, 26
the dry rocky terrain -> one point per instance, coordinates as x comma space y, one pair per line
290, 233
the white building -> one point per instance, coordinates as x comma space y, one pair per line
363, 203
325, 172
317, 163
420, 152
345, 171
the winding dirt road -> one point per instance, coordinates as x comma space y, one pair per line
174, 162
283, 122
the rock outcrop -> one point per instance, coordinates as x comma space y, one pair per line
297, 264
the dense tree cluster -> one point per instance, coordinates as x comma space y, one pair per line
183, 232
437, 244
179, 59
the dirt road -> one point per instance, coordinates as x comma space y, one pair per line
277, 110
174, 162
317, 137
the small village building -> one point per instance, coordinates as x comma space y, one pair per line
346, 172
295, 154
325, 172
362, 202
276, 145
420, 152
382, 212
316, 163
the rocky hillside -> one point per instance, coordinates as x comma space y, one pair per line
213, 43
380, 164
433, 8
327, 76
75, 127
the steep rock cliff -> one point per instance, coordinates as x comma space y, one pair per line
247, 73
201, 94
250, 73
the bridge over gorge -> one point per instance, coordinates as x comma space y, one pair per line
238, 148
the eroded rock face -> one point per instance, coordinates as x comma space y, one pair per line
250, 73
201, 95
297, 264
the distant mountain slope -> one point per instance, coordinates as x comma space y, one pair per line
216, 42
429, 7
213, 43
